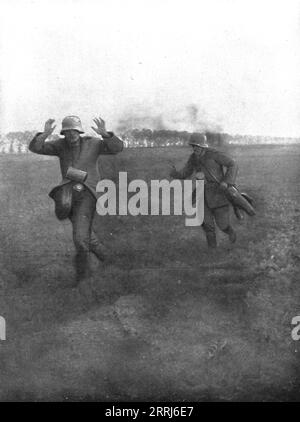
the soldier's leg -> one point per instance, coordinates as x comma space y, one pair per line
223, 222
83, 210
209, 228
96, 247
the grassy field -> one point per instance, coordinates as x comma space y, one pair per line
164, 318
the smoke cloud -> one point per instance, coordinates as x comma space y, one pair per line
190, 118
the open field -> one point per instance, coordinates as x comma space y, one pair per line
164, 319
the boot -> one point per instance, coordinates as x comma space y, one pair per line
211, 240
231, 233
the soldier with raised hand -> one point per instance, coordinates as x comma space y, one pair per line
216, 204
75, 197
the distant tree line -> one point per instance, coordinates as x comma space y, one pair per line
133, 138
23, 137
17, 142
165, 137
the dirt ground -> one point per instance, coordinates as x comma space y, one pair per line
164, 318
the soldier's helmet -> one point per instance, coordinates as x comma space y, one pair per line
71, 123
199, 140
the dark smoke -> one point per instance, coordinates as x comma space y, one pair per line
190, 118
140, 121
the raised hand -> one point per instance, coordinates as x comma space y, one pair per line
49, 128
100, 127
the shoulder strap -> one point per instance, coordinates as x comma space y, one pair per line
210, 173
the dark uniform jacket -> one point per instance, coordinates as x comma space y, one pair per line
212, 164
83, 156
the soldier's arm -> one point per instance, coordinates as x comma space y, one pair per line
187, 170
110, 144
231, 167
39, 145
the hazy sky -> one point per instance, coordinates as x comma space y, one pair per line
237, 61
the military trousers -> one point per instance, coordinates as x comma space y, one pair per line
218, 216
84, 238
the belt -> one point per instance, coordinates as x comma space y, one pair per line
78, 187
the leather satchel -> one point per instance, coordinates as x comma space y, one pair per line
62, 196
239, 200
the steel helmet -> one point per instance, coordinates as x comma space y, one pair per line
199, 140
71, 123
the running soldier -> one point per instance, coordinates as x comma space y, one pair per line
75, 197
216, 205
